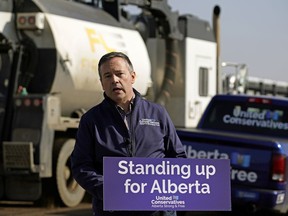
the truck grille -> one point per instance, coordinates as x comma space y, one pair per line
18, 155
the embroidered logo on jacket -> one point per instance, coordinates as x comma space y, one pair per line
151, 122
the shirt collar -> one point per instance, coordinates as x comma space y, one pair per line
131, 104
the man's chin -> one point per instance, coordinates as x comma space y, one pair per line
117, 97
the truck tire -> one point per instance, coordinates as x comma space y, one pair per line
69, 191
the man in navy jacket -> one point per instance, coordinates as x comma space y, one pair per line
123, 124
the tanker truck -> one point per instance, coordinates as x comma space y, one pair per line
49, 51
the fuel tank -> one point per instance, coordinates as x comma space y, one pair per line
65, 48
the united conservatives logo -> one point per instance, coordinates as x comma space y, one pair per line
167, 202
256, 118
151, 122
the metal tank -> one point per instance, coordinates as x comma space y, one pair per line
63, 46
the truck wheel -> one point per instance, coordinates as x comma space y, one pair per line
69, 191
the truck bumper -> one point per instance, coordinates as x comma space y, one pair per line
258, 199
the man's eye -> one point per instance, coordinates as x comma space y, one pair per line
120, 74
107, 76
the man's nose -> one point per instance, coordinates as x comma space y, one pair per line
115, 78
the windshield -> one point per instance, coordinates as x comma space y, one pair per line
253, 117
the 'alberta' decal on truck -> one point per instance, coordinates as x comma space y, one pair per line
236, 159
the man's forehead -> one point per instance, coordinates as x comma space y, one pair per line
113, 71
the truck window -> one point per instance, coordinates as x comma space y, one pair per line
253, 118
203, 81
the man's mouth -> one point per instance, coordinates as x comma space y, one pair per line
117, 89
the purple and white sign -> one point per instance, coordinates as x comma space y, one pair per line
178, 184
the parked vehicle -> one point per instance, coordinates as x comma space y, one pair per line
252, 132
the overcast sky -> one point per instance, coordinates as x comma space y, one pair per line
252, 32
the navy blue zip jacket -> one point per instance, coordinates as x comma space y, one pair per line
102, 132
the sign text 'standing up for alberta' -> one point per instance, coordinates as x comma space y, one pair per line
166, 184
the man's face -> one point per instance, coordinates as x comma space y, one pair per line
117, 80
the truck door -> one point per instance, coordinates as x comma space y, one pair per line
202, 89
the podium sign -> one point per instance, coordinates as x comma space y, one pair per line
155, 184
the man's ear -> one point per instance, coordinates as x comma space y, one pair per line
133, 75
102, 84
